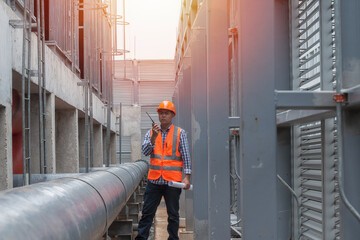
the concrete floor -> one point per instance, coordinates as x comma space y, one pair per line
159, 229
161, 225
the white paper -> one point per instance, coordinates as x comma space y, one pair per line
179, 185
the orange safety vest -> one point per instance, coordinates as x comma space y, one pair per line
165, 160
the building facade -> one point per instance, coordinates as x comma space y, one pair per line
55, 83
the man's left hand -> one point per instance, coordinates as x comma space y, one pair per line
186, 180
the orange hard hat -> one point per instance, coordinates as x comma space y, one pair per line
168, 106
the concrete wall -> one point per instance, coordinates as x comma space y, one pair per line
6, 169
5, 57
35, 143
98, 145
113, 148
130, 126
82, 143
50, 134
5, 99
67, 141
104, 144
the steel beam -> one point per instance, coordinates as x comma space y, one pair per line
348, 55
217, 114
199, 126
353, 95
304, 100
186, 124
291, 117
283, 136
257, 114
327, 125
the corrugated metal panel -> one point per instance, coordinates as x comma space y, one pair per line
119, 69
156, 70
125, 149
152, 93
123, 92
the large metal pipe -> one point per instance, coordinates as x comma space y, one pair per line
76, 207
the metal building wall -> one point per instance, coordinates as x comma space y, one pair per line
145, 83
285, 145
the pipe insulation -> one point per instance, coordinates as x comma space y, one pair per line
75, 207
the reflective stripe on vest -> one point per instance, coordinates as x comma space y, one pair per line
165, 159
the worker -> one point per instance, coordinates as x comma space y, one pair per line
169, 153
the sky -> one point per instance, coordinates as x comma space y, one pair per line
152, 31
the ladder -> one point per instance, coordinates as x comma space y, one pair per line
27, 73
26, 94
40, 26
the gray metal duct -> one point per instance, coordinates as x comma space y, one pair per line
79, 207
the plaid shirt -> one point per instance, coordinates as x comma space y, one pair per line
147, 149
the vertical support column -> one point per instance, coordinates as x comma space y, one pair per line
350, 51
327, 125
104, 145
35, 153
134, 65
186, 125
349, 225
258, 125
199, 127
217, 114
283, 143
180, 121
67, 141
112, 148
6, 165
131, 121
295, 131
328, 179
82, 142
98, 146
50, 133
296, 179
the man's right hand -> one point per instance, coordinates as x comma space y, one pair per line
155, 132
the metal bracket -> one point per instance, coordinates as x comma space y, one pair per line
234, 122
34, 73
233, 30
340, 98
82, 83
86, 6
20, 24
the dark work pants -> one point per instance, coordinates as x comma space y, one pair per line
152, 198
